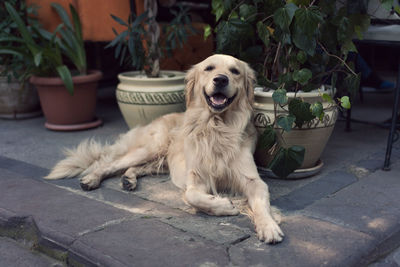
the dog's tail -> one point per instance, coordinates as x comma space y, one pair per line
77, 160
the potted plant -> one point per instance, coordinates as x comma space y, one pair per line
68, 98
17, 98
148, 92
300, 50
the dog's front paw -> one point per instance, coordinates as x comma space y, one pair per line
89, 182
224, 207
269, 231
128, 184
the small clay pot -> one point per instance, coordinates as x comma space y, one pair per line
64, 111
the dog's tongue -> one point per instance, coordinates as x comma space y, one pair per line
218, 99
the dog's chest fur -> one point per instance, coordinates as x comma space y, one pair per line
216, 144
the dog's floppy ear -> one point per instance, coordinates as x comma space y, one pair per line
250, 79
190, 81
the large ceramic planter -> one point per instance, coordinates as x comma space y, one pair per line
65, 112
313, 136
18, 101
143, 99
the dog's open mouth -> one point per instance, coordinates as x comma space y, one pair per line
218, 101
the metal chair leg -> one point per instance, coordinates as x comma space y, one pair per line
386, 165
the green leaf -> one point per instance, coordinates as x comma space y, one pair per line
352, 83
304, 42
283, 16
302, 76
308, 19
300, 2
138, 20
345, 102
10, 51
23, 30
247, 12
38, 58
207, 31
119, 39
397, 9
62, 14
327, 98
77, 24
317, 110
360, 24
11, 39
286, 122
310, 87
217, 9
328, 36
279, 96
286, 78
267, 139
287, 160
301, 110
301, 57
232, 35
261, 80
119, 20
65, 76
263, 33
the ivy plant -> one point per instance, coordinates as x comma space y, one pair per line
294, 45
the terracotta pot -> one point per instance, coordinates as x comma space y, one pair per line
313, 136
143, 99
18, 101
62, 110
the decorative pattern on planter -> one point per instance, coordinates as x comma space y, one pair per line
150, 98
262, 120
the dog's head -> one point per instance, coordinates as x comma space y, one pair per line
219, 81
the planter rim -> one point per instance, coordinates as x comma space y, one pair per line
93, 75
128, 76
314, 93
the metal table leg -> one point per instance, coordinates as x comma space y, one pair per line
348, 120
386, 165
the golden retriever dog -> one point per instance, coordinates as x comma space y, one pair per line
207, 149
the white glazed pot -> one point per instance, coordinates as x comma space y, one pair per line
143, 99
313, 136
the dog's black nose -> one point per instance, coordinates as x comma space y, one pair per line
221, 81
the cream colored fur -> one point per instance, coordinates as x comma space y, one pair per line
207, 151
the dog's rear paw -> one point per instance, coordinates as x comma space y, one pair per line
88, 183
128, 184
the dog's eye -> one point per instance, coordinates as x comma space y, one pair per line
234, 71
209, 68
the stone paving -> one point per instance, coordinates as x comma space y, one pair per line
347, 215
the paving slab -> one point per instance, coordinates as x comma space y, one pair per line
148, 242
54, 208
306, 195
13, 253
371, 205
308, 242
391, 260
